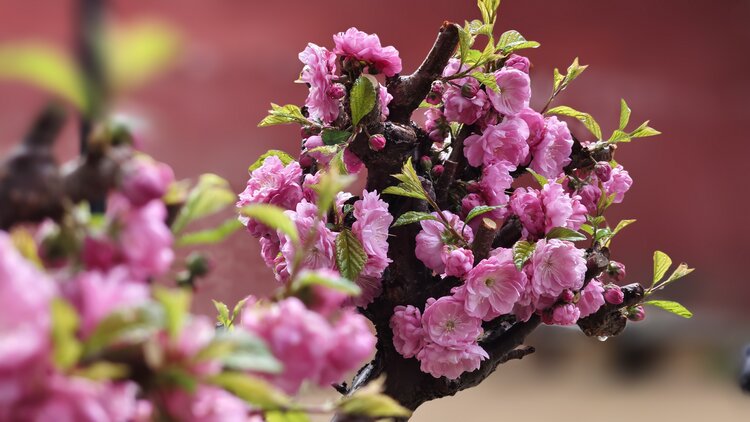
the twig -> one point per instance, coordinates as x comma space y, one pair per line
483, 240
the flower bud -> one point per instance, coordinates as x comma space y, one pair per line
614, 295
437, 170
603, 171
567, 296
636, 313
336, 91
615, 271
198, 264
438, 88
377, 142
145, 180
469, 90
426, 163
518, 62
433, 98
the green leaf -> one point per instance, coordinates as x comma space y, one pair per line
273, 217
586, 228
465, 41
373, 406
286, 416
670, 306
481, 209
335, 137
66, 347
283, 156
574, 71
329, 185
643, 131
223, 311
662, 262
488, 9
253, 390
279, 115
681, 271
624, 114
539, 178
397, 190
584, 118
512, 41
486, 79
210, 195
132, 325
104, 371
557, 79
350, 255
138, 52
307, 278
210, 236
410, 217
522, 252
621, 225
241, 351
564, 233
362, 98
238, 308
44, 67
410, 185
176, 304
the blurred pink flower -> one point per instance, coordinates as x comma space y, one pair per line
408, 334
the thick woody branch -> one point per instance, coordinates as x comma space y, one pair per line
483, 240
409, 91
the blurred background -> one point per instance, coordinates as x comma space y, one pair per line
682, 65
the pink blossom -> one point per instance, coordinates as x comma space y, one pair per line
271, 183
552, 153
384, 98
603, 171
560, 210
614, 295
526, 203
618, 183
320, 66
436, 125
366, 47
433, 236
269, 250
371, 228
313, 142
566, 314
469, 202
535, 122
322, 253
377, 142
449, 362
461, 109
353, 164
100, 252
503, 142
206, 404
458, 261
591, 299
556, 265
496, 179
145, 179
493, 286
352, 344
408, 334
446, 323
318, 298
518, 62
590, 195
514, 91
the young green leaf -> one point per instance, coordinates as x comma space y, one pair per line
644, 130
176, 305
210, 236
398, 190
488, 9
223, 310
241, 351
362, 98
563, 233
584, 118
662, 262
372, 406
522, 252
410, 217
66, 347
574, 70
486, 79
286, 416
210, 195
410, 185
331, 183
670, 306
273, 217
103, 371
539, 178
681, 271
335, 137
251, 389
465, 41
350, 255
308, 278
624, 114
481, 209
511, 41
279, 115
283, 156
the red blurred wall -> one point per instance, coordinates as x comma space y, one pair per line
683, 65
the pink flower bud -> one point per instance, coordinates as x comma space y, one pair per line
567, 296
614, 295
603, 171
433, 98
437, 170
145, 180
377, 142
636, 313
336, 91
438, 88
426, 163
615, 272
469, 90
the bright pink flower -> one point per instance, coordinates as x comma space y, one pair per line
518, 62
145, 179
271, 183
514, 91
408, 334
322, 253
384, 98
367, 48
552, 153
560, 210
352, 344
591, 299
446, 323
535, 122
526, 203
371, 228
318, 72
461, 109
469, 202
556, 265
458, 261
503, 142
433, 236
450, 362
493, 286
590, 195
566, 314
436, 125
496, 179
206, 404
618, 183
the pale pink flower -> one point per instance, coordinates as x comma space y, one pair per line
269, 250
206, 404
560, 210
322, 254
462, 109
318, 73
502, 142
323, 300
366, 47
272, 183
526, 203
514, 91
145, 179
618, 183
592, 298
449, 362
446, 323
436, 125
408, 334
371, 228
493, 286
518, 62
556, 265
458, 261
352, 344
431, 239
552, 153
384, 98
535, 122
566, 314
496, 179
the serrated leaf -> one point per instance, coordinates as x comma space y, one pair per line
176, 305
465, 40
210, 236
286, 416
66, 347
681, 271
670, 306
273, 217
362, 98
210, 195
512, 40
410, 217
350, 255
564, 233
241, 351
522, 252
373, 406
397, 190
308, 278
584, 118
662, 262
253, 390
335, 137
538, 177
279, 115
486, 79
481, 209
624, 114
223, 310
283, 156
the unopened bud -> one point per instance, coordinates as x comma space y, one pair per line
433, 98
377, 142
197, 264
567, 296
336, 91
603, 171
469, 90
615, 271
426, 163
636, 313
614, 295
437, 170
438, 88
